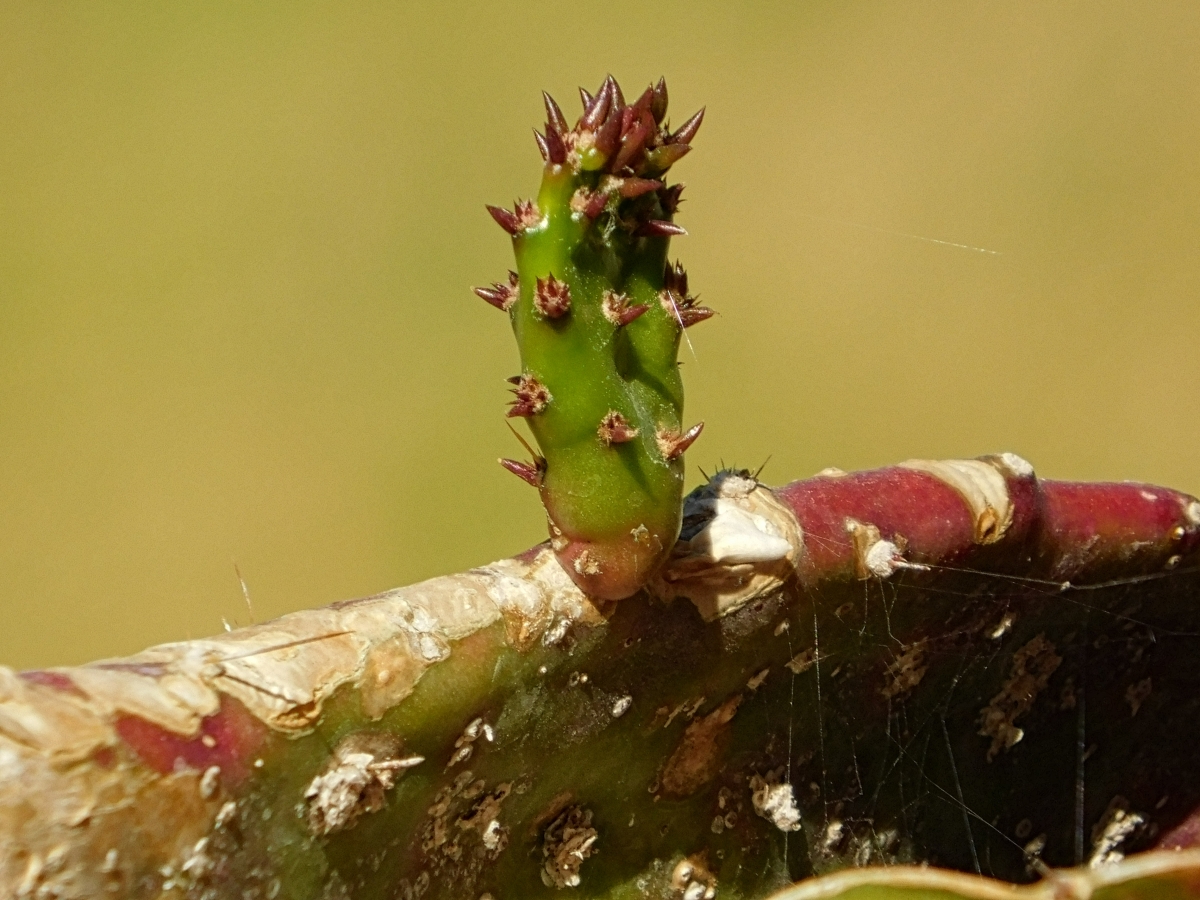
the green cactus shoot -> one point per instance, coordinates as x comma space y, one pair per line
598, 312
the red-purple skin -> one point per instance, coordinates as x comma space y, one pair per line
1063, 528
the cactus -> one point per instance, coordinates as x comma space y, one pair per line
950, 663
953, 663
598, 312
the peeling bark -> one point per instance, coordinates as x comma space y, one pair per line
850, 670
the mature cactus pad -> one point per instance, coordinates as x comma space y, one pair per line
598, 313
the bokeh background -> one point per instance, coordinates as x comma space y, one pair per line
237, 240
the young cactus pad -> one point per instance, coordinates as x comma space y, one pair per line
598, 313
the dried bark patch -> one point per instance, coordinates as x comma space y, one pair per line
363, 768
1032, 666
698, 757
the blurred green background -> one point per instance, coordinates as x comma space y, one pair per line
237, 240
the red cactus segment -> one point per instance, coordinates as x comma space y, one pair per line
228, 739
940, 512
1090, 523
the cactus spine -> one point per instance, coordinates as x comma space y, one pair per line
598, 313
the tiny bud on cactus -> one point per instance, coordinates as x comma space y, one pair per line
505, 219
500, 295
527, 213
672, 445
552, 298
687, 130
677, 302
635, 187
531, 396
598, 315
530, 474
608, 136
556, 150
659, 228
554, 115
614, 429
658, 106
618, 310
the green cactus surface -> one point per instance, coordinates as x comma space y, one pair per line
598, 312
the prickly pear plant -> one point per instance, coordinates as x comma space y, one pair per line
949, 663
598, 312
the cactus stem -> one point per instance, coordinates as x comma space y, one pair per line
616, 308
659, 228
672, 444
500, 295
531, 396
529, 473
552, 299
592, 260
554, 114
688, 129
614, 429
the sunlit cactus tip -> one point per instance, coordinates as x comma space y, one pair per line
598, 312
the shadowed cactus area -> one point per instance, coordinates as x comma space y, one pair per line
598, 313
949, 664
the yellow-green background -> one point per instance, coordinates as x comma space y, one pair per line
236, 242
